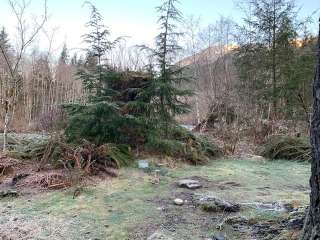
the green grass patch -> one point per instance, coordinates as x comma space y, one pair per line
113, 209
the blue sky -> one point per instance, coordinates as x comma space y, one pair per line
134, 18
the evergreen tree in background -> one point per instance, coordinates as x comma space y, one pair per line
99, 120
94, 73
4, 41
5, 46
268, 57
64, 56
166, 88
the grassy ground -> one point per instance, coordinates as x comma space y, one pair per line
137, 204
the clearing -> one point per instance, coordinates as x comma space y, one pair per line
140, 204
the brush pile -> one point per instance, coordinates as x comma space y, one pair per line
86, 156
184, 145
287, 148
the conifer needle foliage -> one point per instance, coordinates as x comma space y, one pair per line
136, 108
168, 96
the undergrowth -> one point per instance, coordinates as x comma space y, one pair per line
182, 144
287, 148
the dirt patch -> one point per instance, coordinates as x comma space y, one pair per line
176, 219
183, 222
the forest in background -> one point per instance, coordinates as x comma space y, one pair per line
260, 70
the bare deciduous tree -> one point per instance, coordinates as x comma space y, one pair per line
25, 38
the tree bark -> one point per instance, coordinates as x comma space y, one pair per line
311, 229
274, 65
5, 128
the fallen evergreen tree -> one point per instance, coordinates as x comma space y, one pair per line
287, 148
125, 122
85, 156
184, 145
136, 109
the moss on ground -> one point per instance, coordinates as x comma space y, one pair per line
121, 208
255, 181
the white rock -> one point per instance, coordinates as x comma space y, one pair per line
189, 183
159, 236
178, 202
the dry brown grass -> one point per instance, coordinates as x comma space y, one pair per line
51, 180
7, 165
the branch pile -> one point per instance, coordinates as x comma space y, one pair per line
184, 145
287, 148
86, 157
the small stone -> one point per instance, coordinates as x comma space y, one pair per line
296, 223
289, 207
8, 193
161, 208
189, 183
237, 220
254, 158
218, 238
178, 202
213, 204
159, 236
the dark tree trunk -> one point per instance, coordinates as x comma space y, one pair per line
311, 229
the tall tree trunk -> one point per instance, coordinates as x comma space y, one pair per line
5, 128
274, 66
312, 223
